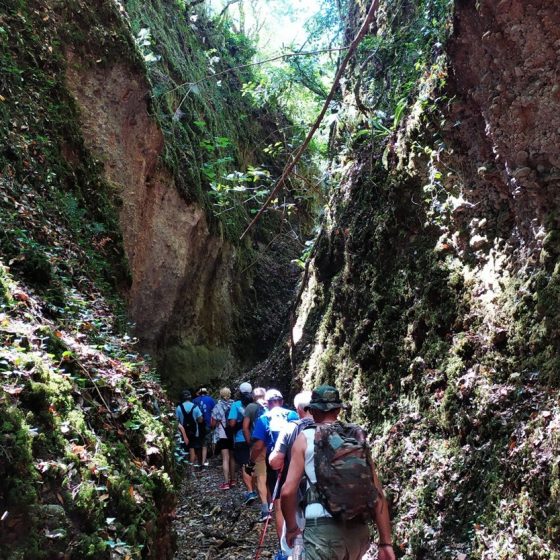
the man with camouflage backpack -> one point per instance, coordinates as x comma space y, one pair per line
343, 492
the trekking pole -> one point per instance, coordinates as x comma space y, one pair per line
270, 508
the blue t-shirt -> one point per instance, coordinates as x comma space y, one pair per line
236, 413
271, 423
206, 404
188, 406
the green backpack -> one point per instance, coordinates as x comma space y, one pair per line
344, 472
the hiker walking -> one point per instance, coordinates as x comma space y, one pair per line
342, 494
280, 457
254, 411
223, 437
266, 431
240, 446
206, 403
190, 419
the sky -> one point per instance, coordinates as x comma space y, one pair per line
282, 20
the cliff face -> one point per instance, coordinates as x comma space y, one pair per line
194, 296
432, 293
106, 218
179, 270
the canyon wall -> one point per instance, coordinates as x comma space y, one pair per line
432, 296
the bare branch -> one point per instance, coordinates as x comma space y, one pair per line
297, 156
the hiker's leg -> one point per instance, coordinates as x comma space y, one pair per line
324, 542
192, 454
232, 477
260, 473
241, 452
225, 465
357, 541
204, 453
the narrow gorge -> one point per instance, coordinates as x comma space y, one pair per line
411, 260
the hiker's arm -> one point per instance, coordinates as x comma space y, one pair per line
276, 460
184, 434
382, 520
200, 419
290, 489
256, 450
246, 431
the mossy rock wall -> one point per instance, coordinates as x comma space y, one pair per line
431, 299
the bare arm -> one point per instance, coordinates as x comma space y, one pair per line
184, 434
276, 460
382, 520
290, 489
256, 450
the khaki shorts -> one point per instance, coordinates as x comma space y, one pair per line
334, 541
260, 467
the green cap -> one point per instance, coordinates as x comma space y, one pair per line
325, 397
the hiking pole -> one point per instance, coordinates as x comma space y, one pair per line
270, 508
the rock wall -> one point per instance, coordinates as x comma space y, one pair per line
179, 269
432, 294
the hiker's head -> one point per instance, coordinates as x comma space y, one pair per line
301, 402
203, 391
325, 403
186, 395
258, 394
245, 393
225, 393
273, 398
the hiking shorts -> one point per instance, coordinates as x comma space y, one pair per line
194, 443
208, 437
241, 452
326, 539
260, 467
223, 443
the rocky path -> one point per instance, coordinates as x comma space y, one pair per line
213, 524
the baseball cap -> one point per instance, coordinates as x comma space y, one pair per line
273, 395
245, 387
325, 397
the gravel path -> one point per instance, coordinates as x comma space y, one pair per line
213, 524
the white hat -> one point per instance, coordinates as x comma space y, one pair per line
245, 387
273, 395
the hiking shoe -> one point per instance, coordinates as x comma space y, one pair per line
224, 486
206, 464
250, 497
232, 483
280, 556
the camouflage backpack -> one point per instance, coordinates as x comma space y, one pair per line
344, 472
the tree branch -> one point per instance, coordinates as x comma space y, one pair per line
228, 70
297, 156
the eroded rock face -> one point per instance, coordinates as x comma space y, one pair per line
504, 58
181, 274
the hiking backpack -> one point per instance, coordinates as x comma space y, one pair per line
344, 472
189, 423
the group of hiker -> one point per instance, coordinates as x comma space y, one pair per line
309, 470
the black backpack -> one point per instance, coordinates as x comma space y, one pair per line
189, 423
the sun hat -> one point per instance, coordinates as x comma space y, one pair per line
325, 397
